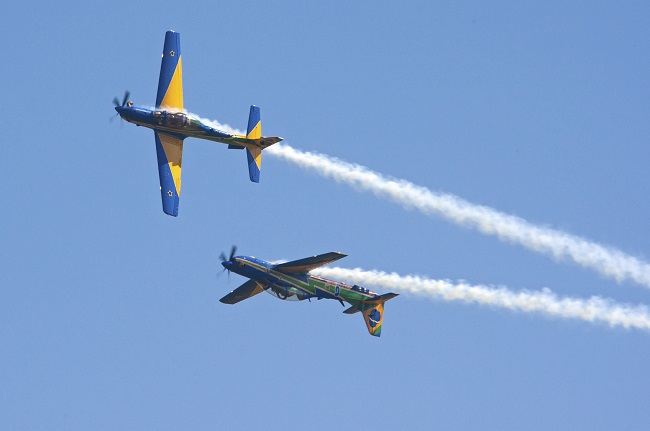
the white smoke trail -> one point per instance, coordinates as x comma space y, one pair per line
593, 310
217, 125
607, 261
212, 123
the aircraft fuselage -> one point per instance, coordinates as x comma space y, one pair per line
296, 287
177, 123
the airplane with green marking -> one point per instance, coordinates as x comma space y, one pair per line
291, 281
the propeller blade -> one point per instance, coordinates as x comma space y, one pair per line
127, 93
219, 274
222, 258
116, 102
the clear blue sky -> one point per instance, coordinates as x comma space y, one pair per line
109, 311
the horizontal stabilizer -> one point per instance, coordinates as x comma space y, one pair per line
351, 310
383, 298
254, 153
254, 129
254, 157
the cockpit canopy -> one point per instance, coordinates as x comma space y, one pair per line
171, 119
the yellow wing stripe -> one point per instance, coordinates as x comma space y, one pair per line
174, 151
174, 96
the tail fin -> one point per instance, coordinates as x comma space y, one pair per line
373, 313
254, 154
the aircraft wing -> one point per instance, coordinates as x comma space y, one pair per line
303, 266
169, 150
246, 290
170, 82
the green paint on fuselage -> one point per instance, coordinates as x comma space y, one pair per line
313, 282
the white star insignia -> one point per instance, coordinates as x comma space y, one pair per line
169, 192
171, 53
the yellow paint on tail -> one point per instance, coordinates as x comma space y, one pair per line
257, 156
376, 329
256, 133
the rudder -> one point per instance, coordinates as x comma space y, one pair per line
374, 317
373, 313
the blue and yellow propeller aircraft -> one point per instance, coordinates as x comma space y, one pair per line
291, 281
171, 125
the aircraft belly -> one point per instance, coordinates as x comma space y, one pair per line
286, 292
199, 134
175, 121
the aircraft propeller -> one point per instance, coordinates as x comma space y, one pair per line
222, 258
116, 101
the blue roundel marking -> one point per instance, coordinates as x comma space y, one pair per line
374, 317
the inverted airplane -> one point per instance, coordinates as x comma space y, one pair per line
291, 281
171, 125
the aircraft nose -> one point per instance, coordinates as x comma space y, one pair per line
226, 264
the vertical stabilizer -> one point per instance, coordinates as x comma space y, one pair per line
373, 313
374, 317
